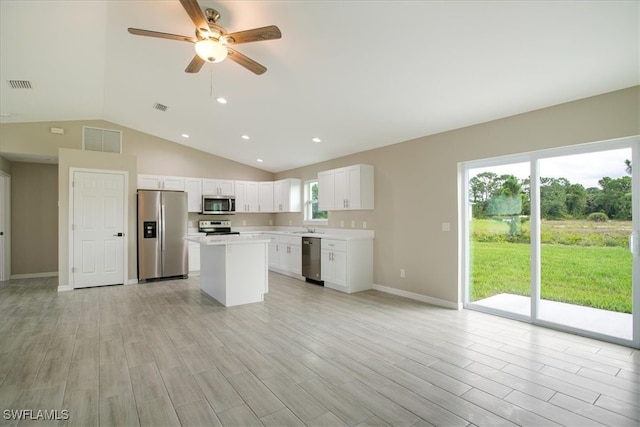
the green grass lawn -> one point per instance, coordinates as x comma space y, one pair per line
585, 274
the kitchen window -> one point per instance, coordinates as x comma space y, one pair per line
311, 213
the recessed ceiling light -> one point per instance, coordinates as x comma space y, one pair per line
221, 100
184, 135
316, 139
259, 160
245, 137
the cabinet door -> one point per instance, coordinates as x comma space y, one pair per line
326, 272
174, 183
193, 187
149, 182
326, 191
341, 191
251, 196
241, 199
295, 259
194, 257
226, 188
279, 196
209, 187
274, 251
339, 261
265, 196
353, 188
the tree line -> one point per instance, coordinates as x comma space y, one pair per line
506, 195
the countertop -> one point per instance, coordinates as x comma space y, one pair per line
228, 239
329, 234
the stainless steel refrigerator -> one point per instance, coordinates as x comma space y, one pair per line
162, 228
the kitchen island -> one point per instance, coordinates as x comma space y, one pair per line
234, 269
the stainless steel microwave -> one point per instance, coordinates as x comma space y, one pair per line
218, 205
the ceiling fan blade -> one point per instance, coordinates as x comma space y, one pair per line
139, 32
255, 35
195, 13
246, 62
195, 65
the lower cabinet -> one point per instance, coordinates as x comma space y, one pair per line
285, 254
194, 258
347, 265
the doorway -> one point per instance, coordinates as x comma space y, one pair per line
551, 238
98, 228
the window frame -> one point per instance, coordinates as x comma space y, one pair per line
307, 206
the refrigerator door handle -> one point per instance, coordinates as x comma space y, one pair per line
162, 227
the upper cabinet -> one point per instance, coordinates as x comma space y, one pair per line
159, 182
265, 196
347, 188
287, 195
193, 187
218, 187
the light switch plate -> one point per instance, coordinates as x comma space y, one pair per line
446, 226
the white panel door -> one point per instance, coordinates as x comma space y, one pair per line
98, 229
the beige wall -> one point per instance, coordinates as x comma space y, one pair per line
34, 213
416, 184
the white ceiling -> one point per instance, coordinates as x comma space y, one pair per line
357, 74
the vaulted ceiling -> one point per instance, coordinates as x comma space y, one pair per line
356, 74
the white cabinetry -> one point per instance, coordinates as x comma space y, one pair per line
194, 258
291, 254
326, 190
246, 196
254, 196
348, 188
287, 195
265, 196
218, 187
285, 254
159, 182
347, 265
193, 187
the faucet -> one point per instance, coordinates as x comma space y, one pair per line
310, 230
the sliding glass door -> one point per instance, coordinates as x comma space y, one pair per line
549, 239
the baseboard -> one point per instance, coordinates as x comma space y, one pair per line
132, 282
418, 297
34, 275
64, 288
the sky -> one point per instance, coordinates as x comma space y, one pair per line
586, 169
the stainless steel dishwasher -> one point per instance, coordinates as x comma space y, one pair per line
311, 266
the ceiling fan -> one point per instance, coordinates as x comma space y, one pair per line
212, 42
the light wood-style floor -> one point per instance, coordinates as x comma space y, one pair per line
164, 354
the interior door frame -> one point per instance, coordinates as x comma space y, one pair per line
125, 210
5, 193
534, 159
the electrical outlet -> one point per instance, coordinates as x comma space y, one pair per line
402, 273
270, 222
244, 222
353, 223
342, 224
446, 226
289, 222
364, 224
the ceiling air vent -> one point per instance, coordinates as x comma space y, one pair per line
103, 140
20, 84
160, 107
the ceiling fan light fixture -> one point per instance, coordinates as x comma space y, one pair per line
211, 50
